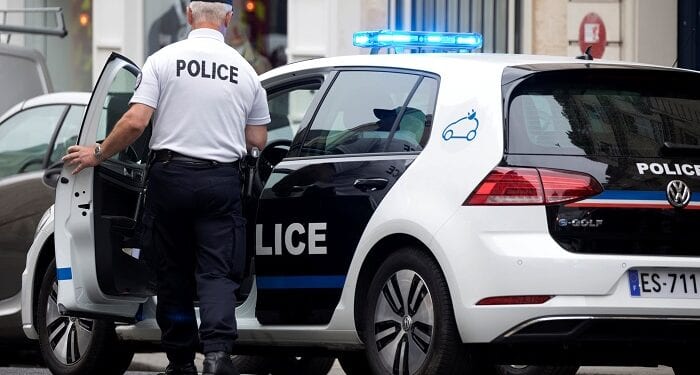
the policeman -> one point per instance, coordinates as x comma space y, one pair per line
208, 108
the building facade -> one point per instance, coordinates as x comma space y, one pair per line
274, 32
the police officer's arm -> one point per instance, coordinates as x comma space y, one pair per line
128, 129
256, 136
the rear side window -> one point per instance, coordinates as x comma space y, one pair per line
372, 112
604, 112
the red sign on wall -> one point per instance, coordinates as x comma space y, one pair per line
592, 33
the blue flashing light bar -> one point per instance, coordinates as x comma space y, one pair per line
418, 39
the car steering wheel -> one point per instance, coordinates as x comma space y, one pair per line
270, 156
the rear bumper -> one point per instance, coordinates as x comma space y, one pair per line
614, 329
598, 340
494, 252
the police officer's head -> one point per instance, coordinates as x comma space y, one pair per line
213, 14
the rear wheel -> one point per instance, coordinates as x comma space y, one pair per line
75, 346
408, 323
535, 370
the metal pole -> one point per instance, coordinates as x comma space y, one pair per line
59, 30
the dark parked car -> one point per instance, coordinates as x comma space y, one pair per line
34, 135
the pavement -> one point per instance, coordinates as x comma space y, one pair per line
150, 364
158, 361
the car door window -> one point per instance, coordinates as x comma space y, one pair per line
68, 135
115, 105
25, 137
287, 109
359, 113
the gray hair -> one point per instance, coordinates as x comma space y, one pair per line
209, 12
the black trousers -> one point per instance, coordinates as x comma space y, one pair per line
195, 229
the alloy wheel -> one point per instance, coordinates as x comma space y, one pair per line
69, 337
403, 323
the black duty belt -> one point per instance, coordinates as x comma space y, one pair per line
167, 156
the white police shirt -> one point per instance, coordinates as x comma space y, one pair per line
204, 94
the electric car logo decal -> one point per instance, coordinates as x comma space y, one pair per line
678, 193
454, 131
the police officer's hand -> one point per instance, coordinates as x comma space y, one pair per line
81, 156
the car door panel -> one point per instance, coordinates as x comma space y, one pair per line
97, 212
316, 205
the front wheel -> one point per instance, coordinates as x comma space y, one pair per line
76, 346
535, 370
408, 323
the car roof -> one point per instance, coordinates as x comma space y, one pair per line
77, 98
68, 97
443, 63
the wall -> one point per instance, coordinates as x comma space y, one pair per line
321, 28
657, 32
117, 27
549, 33
637, 30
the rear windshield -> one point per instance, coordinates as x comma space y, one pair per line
605, 112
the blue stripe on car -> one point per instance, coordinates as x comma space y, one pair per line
632, 195
64, 273
301, 282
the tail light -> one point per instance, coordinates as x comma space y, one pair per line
506, 186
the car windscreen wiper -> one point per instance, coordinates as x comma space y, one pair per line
679, 149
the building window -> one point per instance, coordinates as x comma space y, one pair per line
488, 17
69, 59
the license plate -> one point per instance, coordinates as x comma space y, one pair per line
664, 283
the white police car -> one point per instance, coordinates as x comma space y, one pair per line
422, 214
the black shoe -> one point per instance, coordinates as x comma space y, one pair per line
219, 363
180, 369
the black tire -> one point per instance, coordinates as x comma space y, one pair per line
354, 363
536, 370
426, 325
276, 365
98, 350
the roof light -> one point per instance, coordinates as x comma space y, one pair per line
418, 39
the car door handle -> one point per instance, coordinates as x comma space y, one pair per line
370, 184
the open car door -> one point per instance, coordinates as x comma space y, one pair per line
100, 269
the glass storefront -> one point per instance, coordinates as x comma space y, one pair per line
488, 17
258, 30
69, 59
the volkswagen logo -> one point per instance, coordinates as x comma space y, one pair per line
678, 193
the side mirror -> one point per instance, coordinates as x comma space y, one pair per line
52, 174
